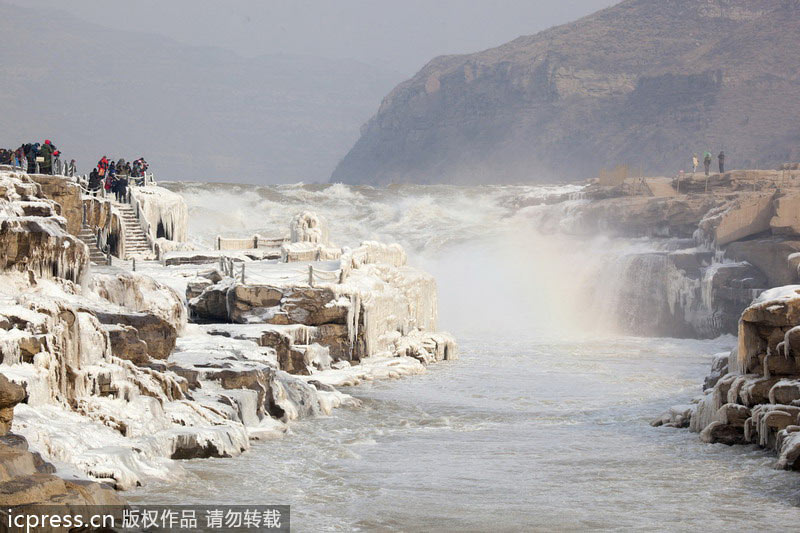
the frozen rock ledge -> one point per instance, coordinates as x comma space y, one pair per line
752, 395
110, 376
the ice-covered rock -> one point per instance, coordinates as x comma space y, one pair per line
309, 227
757, 400
117, 384
165, 212
308, 240
677, 416
140, 293
67, 195
375, 304
719, 367
36, 240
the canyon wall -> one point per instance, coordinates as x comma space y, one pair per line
645, 83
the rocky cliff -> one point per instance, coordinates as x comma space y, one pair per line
644, 83
100, 368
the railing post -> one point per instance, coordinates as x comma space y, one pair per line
242, 273
310, 275
219, 243
255, 242
134, 264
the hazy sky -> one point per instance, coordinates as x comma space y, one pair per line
401, 35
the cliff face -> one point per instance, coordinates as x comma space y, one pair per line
644, 83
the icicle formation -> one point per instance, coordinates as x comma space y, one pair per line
164, 211
33, 238
309, 227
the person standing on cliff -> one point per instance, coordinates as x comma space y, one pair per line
109, 179
56, 164
707, 162
695, 163
95, 182
20, 160
122, 188
721, 158
46, 153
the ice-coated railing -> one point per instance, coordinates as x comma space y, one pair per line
248, 243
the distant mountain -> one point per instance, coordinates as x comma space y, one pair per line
194, 113
644, 83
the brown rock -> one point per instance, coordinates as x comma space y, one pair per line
10, 395
159, 334
126, 344
755, 390
747, 215
15, 462
770, 255
785, 392
211, 304
66, 194
336, 338
314, 307
722, 433
732, 414
290, 358
787, 214
33, 488
188, 446
777, 420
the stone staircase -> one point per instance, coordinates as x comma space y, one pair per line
96, 256
136, 244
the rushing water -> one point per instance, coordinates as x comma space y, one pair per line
541, 425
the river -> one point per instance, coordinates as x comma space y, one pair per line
543, 424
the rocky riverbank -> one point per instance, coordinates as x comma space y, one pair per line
728, 264
112, 374
752, 395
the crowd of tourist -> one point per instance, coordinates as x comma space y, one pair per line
116, 177
108, 175
36, 158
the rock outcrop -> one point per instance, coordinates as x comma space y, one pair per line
373, 304
33, 235
25, 477
67, 195
101, 370
753, 395
698, 259
616, 87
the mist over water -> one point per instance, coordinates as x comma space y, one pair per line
494, 270
543, 422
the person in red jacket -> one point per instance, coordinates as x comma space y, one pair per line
102, 167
